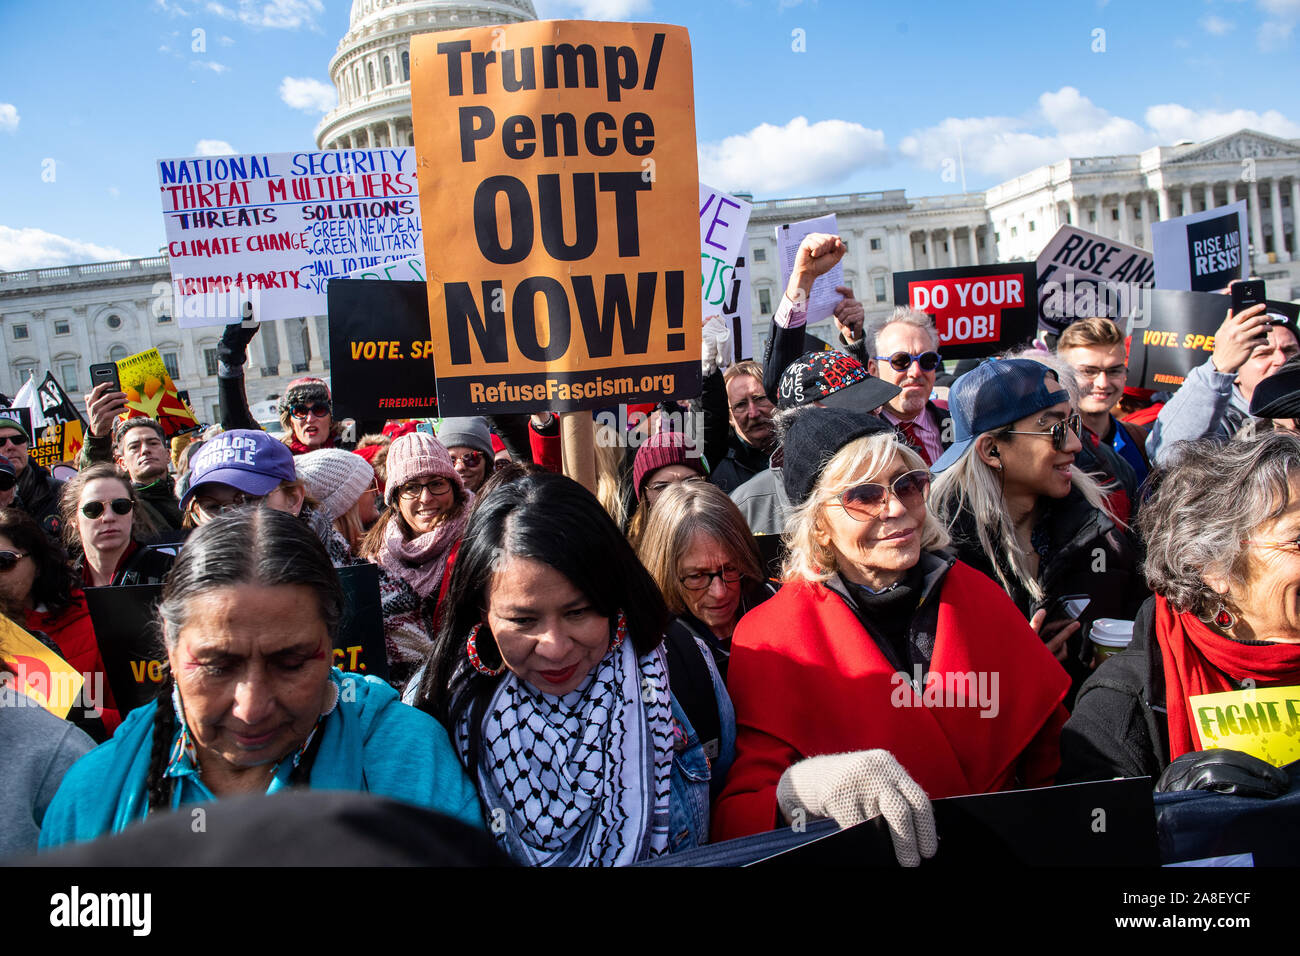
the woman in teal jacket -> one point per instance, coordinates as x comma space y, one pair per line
251, 704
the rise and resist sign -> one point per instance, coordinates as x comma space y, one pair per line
560, 170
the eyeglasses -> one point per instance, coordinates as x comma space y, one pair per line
758, 401
413, 489
869, 500
1092, 371
701, 580
319, 410
9, 560
661, 486
16, 440
1292, 545
212, 507
1058, 431
902, 361
120, 506
470, 459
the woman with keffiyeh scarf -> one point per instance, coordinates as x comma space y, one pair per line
414, 543
548, 671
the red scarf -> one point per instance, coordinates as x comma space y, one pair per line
1199, 660
298, 448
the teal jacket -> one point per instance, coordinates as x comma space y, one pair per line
371, 742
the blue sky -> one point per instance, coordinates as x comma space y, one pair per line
91, 93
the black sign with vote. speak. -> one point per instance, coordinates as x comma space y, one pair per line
135, 662
381, 355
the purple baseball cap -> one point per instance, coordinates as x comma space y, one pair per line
249, 461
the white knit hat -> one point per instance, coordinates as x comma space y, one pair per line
335, 478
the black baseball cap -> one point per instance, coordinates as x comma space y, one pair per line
834, 379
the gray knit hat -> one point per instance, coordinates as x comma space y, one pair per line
335, 478
469, 432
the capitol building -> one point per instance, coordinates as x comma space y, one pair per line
67, 317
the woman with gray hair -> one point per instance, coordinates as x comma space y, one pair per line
1223, 557
883, 670
251, 702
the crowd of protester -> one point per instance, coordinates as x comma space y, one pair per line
861, 583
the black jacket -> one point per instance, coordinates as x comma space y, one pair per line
1087, 554
1119, 727
39, 495
742, 462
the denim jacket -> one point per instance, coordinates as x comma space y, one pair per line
693, 773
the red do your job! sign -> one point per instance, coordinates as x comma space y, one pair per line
977, 310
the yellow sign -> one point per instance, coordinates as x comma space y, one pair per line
559, 188
42, 675
1263, 722
151, 393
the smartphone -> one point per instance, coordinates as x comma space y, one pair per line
105, 372
1068, 607
1246, 293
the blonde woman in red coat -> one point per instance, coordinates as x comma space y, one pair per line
884, 670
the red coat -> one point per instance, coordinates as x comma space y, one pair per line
74, 634
807, 679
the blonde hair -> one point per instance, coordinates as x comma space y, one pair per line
858, 461
350, 526
747, 367
684, 510
609, 464
1095, 332
971, 485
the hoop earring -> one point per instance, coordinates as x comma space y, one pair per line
620, 632
475, 661
1221, 618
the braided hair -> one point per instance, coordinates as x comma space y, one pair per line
253, 546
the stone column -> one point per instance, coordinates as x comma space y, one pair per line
1164, 203
891, 247
1295, 214
909, 259
1232, 191
1145, 234
974, 246
1256, 223
1074, 212
285, 368
1123, 220
1187, 201
1209, 195
952, 247
1279, 233
392, 134
317, 363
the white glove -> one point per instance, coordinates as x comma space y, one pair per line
716, 347
854, 787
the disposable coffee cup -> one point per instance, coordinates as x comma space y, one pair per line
1109, 636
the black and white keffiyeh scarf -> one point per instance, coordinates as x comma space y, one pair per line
583, 779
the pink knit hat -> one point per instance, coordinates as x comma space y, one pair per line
417, 455
659, 451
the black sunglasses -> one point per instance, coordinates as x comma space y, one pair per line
868, 500
9, 560
120, 506
1059, 437
16, 440
902, 361
319, 409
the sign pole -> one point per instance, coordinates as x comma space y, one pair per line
578, 448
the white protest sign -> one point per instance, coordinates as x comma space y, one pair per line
1082, 274
1202, 252
723, 219
824, 298
738, 310
272, 229
411, 269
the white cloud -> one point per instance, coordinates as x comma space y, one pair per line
213, 147
1217, 25
36, 248
212, 65
308, 95
8, 117
1066, 123
225, 40
780, 159
1171, 123
592, 9
1275, 33
272, 14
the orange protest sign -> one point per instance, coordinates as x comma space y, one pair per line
41, 674
151, 393
558, 180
